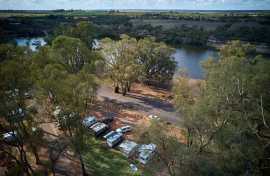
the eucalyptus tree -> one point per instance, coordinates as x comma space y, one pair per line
66, 76
122, 62
16, 117
169, 150
227, 125
129, 60
71, 53
83, 30
157, 61
9, 51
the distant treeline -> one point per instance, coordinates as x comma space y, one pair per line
113, 23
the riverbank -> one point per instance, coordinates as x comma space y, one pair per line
261, 48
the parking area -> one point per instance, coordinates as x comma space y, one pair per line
118, 134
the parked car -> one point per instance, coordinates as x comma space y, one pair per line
128, 148
146, 152
89, 121
109, 134
99, 128
10, 136
124, 129
114, 139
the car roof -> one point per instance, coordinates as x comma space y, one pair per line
98, 126
115, 136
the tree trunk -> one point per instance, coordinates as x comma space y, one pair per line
36, 155
84, 173
53, 169
124, 91
116, 89
26, 166
128, 86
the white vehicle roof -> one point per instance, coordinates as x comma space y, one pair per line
98, 126
109, 134
146, 150
114, 137
123, 127
128, 146
9, 134
127, 126
88, 121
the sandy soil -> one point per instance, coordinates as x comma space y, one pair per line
143, 100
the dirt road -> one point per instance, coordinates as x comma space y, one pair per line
142, 103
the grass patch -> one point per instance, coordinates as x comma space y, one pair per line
103, 162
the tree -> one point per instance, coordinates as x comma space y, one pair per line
158, 64
227, 124
65, 76
171, 152
15, 115
122, 62
8, 51
74, 97
83, 30
71, 53
129, 60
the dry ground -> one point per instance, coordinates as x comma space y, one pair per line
132, 110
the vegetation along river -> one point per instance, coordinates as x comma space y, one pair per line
188, 58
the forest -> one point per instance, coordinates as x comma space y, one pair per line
172, 27
219, 125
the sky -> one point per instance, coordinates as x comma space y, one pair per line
136, 4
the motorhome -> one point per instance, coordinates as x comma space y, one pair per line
89, 121
128, 148
114, 139
146, 152
98, 128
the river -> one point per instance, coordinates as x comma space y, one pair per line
190, 58
32, 43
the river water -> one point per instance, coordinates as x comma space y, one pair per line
190, 58
30, 42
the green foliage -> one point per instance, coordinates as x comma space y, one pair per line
8, 51
122, 62
71, 53
64, 73
187, 35
146, 60
84, 31
16, 115
156, 59
170, 151
228, 122
103, 162
15, 82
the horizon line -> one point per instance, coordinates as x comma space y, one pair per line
107, 9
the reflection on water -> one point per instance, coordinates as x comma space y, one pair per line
190, 59
32, 43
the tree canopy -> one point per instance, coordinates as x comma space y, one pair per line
227, 124
129, 60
